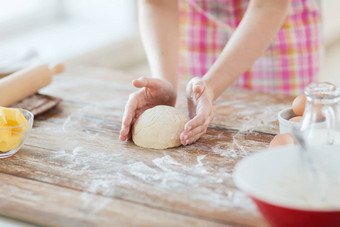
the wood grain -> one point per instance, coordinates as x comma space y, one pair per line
74, 171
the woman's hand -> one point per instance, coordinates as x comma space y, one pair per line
201, 112
153, 92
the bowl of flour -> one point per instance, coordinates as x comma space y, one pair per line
291, 188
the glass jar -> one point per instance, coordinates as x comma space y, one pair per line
320, 122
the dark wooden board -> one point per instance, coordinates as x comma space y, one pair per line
38, 103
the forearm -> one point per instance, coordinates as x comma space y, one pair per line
158, 21
257, 29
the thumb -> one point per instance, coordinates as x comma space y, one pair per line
195, 85
198, 89
146, 82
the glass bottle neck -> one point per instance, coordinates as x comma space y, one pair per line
322, 93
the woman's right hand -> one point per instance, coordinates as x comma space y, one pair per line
153, 92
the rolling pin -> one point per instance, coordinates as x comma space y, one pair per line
26, 82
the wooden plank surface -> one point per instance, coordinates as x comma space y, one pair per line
74, 171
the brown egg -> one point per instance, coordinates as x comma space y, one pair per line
299, 104
282, 140
296, 119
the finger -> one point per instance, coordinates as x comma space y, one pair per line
195, 87
196, 133
190, 85
201, 117
199, 86
125, 133
191, 108
198, 91
146, 82
125, 130
139, 83
187, 136
128, 116
195, 138
128, 134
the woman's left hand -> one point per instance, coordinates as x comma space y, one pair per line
201, 111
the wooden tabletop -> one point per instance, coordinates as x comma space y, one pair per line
74, 171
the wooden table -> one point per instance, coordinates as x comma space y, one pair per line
74, 171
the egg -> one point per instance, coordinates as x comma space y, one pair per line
299, 104
282, 140
296, 119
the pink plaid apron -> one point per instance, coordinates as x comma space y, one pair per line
290, 63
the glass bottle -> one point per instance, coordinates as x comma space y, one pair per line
320, 121
320, 127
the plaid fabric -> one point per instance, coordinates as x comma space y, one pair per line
290, 63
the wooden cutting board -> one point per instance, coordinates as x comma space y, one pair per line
38, 103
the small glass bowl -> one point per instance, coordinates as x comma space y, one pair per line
18, 133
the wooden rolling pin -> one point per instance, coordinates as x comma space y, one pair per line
26, 82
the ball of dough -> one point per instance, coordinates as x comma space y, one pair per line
159, 128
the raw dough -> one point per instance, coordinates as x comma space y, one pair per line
159, 128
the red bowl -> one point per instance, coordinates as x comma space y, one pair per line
255, 174
279, 216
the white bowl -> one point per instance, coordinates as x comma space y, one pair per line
284, 123
286, 192
286, 126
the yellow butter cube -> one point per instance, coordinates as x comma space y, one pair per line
5, 133
20, 129
10, 135
14, 117
3, 120
12, 142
